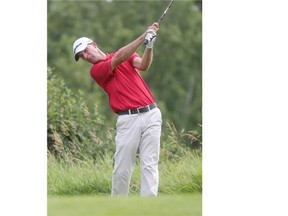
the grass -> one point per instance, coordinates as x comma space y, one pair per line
86, 177
183, 175
88, 205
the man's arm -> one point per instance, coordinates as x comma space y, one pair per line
144, 63
125, 52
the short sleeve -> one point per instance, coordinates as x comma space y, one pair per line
133, 56
102, 72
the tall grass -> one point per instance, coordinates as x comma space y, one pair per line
184, 176
94, 177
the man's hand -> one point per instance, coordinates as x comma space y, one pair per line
150, 38
151, 35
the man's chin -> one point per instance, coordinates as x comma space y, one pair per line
93, 61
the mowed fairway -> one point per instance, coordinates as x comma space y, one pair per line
166, 205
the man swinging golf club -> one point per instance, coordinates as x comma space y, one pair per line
139, 119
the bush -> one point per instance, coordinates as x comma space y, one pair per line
74, 132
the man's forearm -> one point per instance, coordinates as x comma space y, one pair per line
147, 59
125, 52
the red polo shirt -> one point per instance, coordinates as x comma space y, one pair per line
124, 85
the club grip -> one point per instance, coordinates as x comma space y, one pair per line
147, 38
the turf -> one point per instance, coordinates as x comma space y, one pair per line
166, 205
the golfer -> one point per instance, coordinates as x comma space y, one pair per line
139, 119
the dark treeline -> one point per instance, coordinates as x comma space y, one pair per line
175, 76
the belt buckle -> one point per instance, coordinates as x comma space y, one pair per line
138, 109
145, 109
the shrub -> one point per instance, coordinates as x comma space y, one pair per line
74, 131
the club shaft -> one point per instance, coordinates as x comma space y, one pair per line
160, 19
164, 13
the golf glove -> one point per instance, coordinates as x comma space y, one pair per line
150, 38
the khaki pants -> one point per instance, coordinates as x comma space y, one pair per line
137, 132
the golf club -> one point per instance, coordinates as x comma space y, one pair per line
161, 18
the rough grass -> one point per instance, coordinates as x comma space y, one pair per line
183, 175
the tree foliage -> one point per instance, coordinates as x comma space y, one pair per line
175, 76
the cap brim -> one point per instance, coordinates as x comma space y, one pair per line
79, 49
77, 57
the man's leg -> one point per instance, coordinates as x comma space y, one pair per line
127, 142
149, 153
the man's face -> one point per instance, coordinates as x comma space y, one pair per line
89, 54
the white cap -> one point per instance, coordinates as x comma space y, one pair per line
79, 45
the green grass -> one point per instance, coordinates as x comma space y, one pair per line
183, 175
166, 205
87, 177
